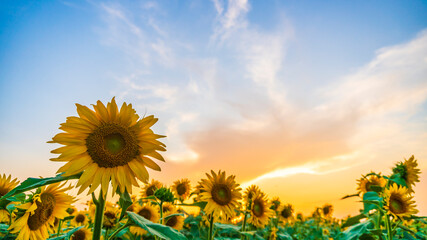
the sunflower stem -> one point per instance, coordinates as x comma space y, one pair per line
99, 214
388, 226
106, 234
161, 212
118, 230
211, 223
244, 224
58, 232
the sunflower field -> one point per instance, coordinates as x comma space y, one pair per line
106, 150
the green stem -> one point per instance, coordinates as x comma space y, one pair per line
99, 214
388, 226
161, 212
244, 224
106, 234
118, 230
58, 232
211, 223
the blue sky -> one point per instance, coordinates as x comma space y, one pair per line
311, 88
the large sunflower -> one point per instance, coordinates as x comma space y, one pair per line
150, 188
365, 183
108, 144
408, 171
51, 202
147, 211
6, 184
260, 211
221, 194
175, 222
181, 189
398, 201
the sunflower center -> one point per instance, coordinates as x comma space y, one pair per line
3, 191
285, 213
80, 218
150, 190
172, 221
397, 205
258, 208
221, 194
112, 145
79, 235
145, 213
181, 189
44, 210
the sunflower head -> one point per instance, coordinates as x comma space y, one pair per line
286, 211
108, 144
40, 212
398, 201
71, 210
147, 211
408, 171
80, 218
175, 222
367, 183
181, 189
7, 184
168, 207
327, 210
164, 194
250, 192
221, 194
82, 234
275, 204
260, 211
110, 216
150, 188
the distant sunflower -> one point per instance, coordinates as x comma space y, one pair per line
327, 210
147, 211
399, 202
150, 188
286, 211
275, 204
168, 207
52, 202
365, 183
221, 194
260, 211
181, 189
110, 216
80, 218
175, 222
6, 185
198, 190
71, 210
250, 192
408, 171
82, 234
108, 144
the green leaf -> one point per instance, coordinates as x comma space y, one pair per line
175, 214
398, 179
201, 205
353, 220
159, 230
355, 231
233, 228
125, 201
32, 183
371, 200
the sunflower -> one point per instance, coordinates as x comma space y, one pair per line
408, 171
71, 210
110, 216
198, 190
250, 192
221, 194
286, 211
168, 207
260, 211
150, 188
175, 222
275, 204
181, 189
80, 218
6, 185
108, 144
365, 183
82, 234
147, 211
327, 210
52, 202
399, 202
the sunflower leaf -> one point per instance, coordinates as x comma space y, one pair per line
159, 230
32, 183
349, 196
201, 205
125, 201
175, 214
353, 220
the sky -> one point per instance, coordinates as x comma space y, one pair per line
298, 97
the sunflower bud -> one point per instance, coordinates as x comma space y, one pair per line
164, 194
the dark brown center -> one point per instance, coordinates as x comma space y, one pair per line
221, 194
397, 205
145, 213
78, 235
258, 208
172, 221
181, 189
44, 210
150, 190
111, 145
80, 218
